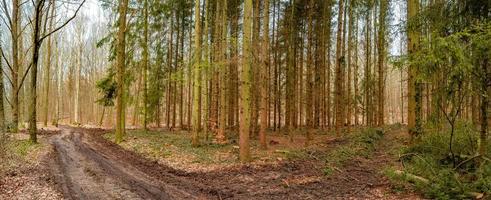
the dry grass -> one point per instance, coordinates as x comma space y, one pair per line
174, 149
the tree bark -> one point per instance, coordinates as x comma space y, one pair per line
245, 90
120, 63
339, 75
197, 76
264, 77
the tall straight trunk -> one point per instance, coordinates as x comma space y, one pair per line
138, 88
412, 45
350, 57
15, 32
145, 65
196, 74
190, 81
485, 91
207, 71
338, 73
221, 138
310, 65
76, 98
264, 76
233, 73
181, 72
245, 88
290, 101
327, 30
120, 64
174, 70
2, 94
256, 66
59, 82
38, 9
47, 75
355, 72
170, 92
368, 112
381, 60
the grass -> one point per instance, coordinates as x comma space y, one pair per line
174, 149
360, 143
17, 152
429, 158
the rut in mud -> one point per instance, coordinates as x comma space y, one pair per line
85, 171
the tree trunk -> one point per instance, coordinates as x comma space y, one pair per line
381, 60
339, 75
145, 66
221, 138
245, 90
412, 43
47, 75
120, 63
264, 77
197, 76
15, 32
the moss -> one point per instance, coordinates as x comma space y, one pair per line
361, 143
430, 158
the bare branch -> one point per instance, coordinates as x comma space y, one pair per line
64, 24
5, 58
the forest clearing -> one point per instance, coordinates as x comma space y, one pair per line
245, 99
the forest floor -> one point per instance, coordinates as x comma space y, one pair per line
84, 164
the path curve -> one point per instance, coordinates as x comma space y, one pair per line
84, 171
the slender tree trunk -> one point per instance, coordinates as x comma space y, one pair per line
221, 138
38, 9
381, 60
368, 54
245, 90
145, 66
47, 75
339, 75
2, 95
120, 63
485, 90
413, 42
197, 76
309, 84
15, 32
264, 76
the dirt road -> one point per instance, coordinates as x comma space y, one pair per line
87, 166
84, 170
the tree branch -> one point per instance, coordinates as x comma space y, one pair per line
64, 24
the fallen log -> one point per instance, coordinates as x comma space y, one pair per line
412, 177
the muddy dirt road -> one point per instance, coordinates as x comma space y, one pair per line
84, 170
87, 166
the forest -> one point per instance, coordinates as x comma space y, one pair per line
245, 99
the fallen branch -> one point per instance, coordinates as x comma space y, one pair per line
281, 151
466, 161
412, 177
407, 155
476, 195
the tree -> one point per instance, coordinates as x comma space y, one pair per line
48, 65
412, 46
381, 60
145, 64
197, 76
245, 86
120, 64
339, 71
264, 76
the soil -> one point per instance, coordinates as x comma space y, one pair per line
84, 165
